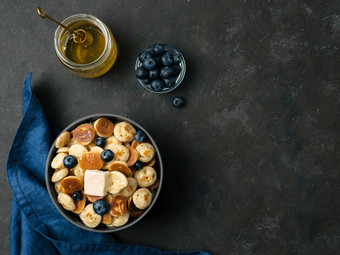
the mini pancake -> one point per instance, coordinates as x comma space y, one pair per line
120, 166
146, 176
124, 131
89, 217
146, 152
134, 144
118, 206
58, 175
72, 184
133, 157
104, 127
77, 150
132, 209
63, 150
62, 139
118, 181
90, 161
142, 198
66, 201
93, 198
84, 134
80, 205
57, 161
129, 189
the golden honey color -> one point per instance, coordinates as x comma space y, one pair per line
90, 61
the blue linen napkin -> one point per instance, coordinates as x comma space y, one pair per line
36, 226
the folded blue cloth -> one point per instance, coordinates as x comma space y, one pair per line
36, 226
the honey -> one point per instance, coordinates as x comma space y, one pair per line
79, 53
86, 60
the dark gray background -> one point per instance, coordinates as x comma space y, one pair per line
251, 162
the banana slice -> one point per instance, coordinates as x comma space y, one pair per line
118, 181
57, 161
66, 201
89, 217
133, 156
96, 149
90, 161
111, 141
124, 131
119, 221
107, 218
118, 205
72, 184
129, 189
93, 198
132, 209
80, 205
59, 175
77, 150
146, 176
120, 166
84, 134
71, 142
79, 172
121, 153
142, 198
58, 188
63, 150
145, 152
134, 144
62, 139
104, 127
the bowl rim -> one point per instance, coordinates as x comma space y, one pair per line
50, 185
180, 76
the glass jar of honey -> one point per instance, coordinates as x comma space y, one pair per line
88, 61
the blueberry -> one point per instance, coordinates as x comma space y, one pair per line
149, 64
170, 82
147, 81
153, 74
77, 196
107, 155
167, 59
144, 56
158, 49
100, 206
139, 165
70, 161
177, 70
158, 61
178, 102
157, 85
177, 58
166, 72
100, 141
141, 73
140, 136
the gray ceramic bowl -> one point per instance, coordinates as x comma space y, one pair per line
74, 218
180, 77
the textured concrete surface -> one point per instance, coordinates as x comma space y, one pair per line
251, 162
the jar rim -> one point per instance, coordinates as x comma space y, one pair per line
60, 32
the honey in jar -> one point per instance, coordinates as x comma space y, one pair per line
88, 60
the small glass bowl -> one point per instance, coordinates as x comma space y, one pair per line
180, 77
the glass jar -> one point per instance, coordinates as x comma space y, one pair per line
100, 65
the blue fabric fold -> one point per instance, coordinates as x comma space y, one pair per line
36, 226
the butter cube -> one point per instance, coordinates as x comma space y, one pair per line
96, 182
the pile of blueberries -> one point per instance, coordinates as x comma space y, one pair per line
160, 67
